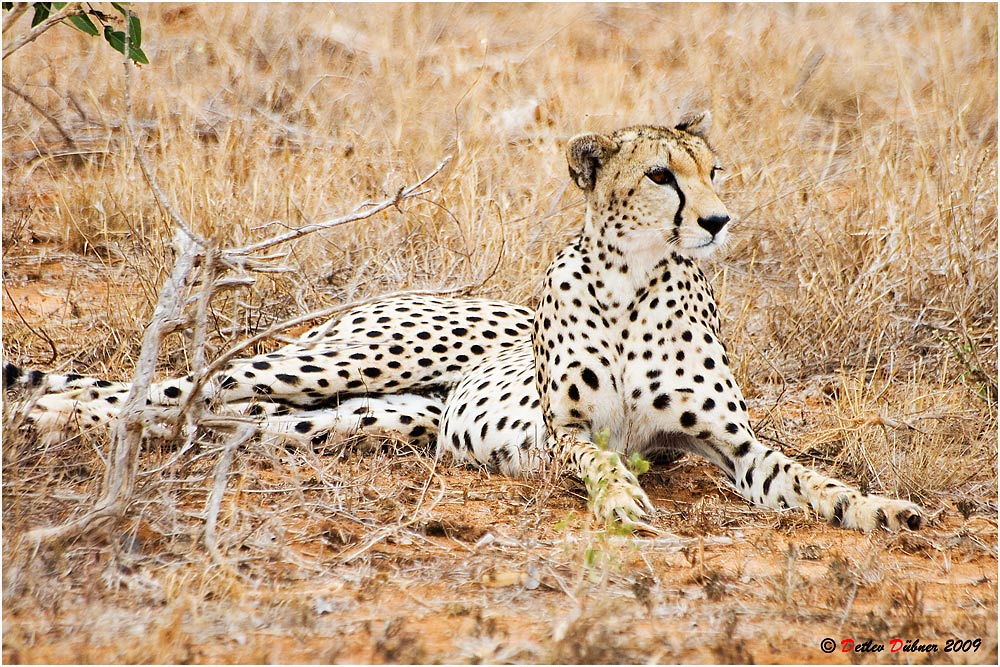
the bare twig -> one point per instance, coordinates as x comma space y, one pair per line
200, 337
404, 193
147, 173
33, 34
16, 12
126, 436
37, 107
119, 478
241, 436
44, 336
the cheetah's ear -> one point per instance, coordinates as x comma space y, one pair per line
697, 123
586, 154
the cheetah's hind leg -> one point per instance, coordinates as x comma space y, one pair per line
416, 418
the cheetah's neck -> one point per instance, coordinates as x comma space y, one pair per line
625, 262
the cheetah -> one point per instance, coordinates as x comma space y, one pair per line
626, 342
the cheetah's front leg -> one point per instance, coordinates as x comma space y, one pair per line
771, 479
613, 492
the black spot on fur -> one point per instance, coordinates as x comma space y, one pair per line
11, 374
913, 522
838, 510
769, 479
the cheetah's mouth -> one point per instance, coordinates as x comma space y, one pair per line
702, 248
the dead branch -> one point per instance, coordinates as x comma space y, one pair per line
8, 86
16, 12
241, 436
119, 477
199, 340
133, 422
404, 193
33, 34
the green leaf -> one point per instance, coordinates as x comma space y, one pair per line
59, 5
116, 38
638, 464
137, 55
135, 28
120, 6
603, 438
41, 13
83, 24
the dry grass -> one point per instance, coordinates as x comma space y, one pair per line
859, 296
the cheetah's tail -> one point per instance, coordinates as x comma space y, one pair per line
15, 377
19, 379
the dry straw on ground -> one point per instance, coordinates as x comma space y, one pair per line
859, 297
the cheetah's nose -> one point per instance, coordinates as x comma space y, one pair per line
713, 223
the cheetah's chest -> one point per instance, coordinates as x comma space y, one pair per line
632, 353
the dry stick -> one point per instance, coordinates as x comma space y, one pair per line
199, 340
44, 336
11, 17
119, 478
126, 436
37, 107
33, 34
241, 436
403, 194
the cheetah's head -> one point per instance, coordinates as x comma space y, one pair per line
652, 188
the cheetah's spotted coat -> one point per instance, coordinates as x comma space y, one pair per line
626, 338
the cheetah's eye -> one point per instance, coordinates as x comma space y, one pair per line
661, 176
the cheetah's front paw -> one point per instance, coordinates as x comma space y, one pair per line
870, 513
613, 491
